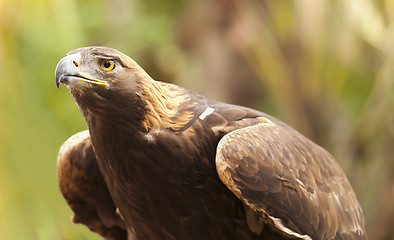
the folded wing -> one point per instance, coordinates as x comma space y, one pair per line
83, 187
288, 181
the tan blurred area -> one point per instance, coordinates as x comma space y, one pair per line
324, 67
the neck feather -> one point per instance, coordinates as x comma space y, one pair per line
167, 105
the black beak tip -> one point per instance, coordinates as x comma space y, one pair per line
57, 76
60, 71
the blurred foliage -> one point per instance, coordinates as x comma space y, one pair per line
324, 67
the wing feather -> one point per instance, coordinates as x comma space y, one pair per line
291, 182
83, 187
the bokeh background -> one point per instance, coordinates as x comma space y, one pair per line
324, 67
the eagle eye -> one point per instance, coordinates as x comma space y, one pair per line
107, 65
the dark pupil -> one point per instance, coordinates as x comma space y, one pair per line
107, 64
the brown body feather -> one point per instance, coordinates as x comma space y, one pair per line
156, 146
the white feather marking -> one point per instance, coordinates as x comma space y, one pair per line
337, 198
207, 112
150, 138
301, 183
279, 224
265, 121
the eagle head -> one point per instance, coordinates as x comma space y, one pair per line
99, 69
106, 82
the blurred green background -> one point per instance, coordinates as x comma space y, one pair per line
324, 67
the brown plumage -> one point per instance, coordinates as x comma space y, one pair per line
179, 166
84, 189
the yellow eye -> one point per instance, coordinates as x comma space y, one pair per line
107, 65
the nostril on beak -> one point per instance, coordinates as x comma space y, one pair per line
75, 63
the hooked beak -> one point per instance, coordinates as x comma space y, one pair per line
68, 72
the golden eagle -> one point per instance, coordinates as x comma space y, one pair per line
162, 162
